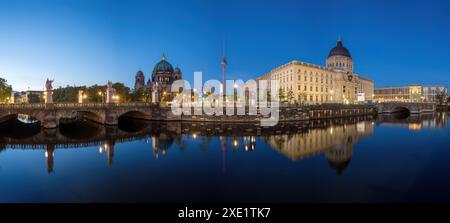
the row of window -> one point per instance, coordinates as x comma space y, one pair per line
305, 88
339, 64
287, 74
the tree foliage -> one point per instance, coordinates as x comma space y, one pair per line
290, 95
94, 94
441, 98
123, 92
34, 98
141, 95
5, 90
281, 94
301, 97
67, 94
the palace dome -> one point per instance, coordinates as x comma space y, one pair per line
339, 50
163, 66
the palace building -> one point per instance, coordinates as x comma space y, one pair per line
336, 82
159, 85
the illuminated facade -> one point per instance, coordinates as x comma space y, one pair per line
163, 76
411, 93
315, 84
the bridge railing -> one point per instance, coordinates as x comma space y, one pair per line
22, 106
101, 105
74, 105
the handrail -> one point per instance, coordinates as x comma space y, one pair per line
74, 105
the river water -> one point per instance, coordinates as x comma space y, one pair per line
360, 159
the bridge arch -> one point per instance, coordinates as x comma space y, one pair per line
134, 114
400, 109
401, 112
38, 116
90, 116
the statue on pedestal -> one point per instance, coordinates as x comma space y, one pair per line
110, 91
48, 91
154, 89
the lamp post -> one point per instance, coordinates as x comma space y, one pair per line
100, 93
81, 96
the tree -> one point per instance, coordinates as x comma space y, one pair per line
122, 91
67, 94
269, 95
441, 98
5, 90
290, 95
141, 95
281, 94
301, 97
33, 98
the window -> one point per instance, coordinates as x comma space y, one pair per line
305, 88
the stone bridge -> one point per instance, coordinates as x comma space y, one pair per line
411, 107
50, 115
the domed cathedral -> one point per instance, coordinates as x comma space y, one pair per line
159, 85
339, 58
163, 76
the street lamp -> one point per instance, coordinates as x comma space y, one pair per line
100, 93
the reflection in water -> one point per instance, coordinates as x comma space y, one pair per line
416, 122
332, 138
336, 141
81, 129
16, 129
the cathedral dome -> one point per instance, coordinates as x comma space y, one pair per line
163, 66
339, 50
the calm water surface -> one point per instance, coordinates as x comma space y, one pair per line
364, 159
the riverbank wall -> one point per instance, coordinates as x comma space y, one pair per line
288, 113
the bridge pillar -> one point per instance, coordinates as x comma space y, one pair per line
49, 154
111, 117
49, 121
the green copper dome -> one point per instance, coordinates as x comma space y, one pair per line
163, 66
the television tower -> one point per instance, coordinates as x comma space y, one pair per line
224, 68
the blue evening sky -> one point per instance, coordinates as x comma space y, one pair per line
83, 42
